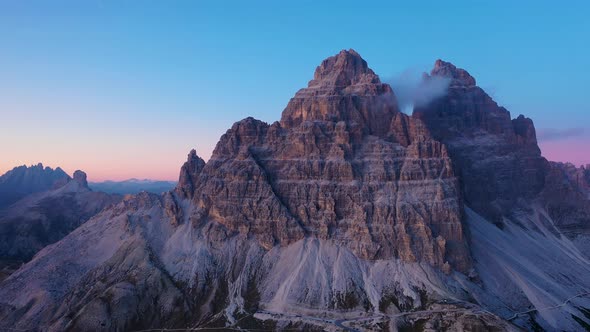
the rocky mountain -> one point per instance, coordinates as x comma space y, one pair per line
132, 186
497, 157
567, 199
344, 215
378, 183
578, 177
43, 218
22, 181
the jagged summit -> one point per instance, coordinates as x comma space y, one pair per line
458, 76
188, 174
474, 127
39, 167
22, 180
80, 178
344, 88
343, 69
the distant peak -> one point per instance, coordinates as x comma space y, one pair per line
195, 160
80, 177
457, 75
343, 69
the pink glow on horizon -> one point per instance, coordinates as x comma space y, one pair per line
163, 164
575, 151
99, 173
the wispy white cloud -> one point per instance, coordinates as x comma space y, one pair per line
412, 88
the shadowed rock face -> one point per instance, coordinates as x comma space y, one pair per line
80, 177
579, 177
23, 180
44, 218
497, 158
189, 173
567, 199
343, 164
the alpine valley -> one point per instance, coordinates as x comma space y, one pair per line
347, 214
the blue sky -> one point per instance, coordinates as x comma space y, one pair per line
125, 89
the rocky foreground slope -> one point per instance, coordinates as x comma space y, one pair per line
346, 214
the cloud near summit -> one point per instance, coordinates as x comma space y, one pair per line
412, 89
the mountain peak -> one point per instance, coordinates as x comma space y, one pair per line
80, 177
343, 69
344, 88
457, 75
189, 173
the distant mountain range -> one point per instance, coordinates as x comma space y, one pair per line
22, 181
40, 205
132, 186
56, 205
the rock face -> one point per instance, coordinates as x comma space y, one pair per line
497, 158
345, 208
23, 180
345, 89
567, 199
80, 178
578, 177
189, 174
44, 218
343, 164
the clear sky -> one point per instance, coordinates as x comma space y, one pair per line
125, 89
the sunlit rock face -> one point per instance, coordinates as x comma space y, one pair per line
342, 164
345, 89
189, 173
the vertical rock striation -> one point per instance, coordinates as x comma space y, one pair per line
567, 199
189, 173
342, 164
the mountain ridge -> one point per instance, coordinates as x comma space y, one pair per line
45, 217
24, 180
